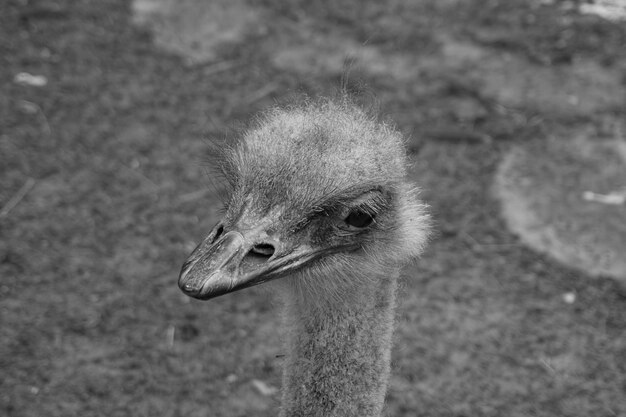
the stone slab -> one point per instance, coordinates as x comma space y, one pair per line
567, 197
195, 29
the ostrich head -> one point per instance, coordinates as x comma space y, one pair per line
319, 195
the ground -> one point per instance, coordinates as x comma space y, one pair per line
104, 190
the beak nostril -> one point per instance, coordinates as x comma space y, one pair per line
263, 249
218, 233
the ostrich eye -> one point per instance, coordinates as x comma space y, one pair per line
359, 219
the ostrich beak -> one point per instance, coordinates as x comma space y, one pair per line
229, 263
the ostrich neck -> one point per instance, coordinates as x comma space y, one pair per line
338, 355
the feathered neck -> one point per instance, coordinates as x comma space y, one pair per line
338, 354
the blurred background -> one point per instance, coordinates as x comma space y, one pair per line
515, 118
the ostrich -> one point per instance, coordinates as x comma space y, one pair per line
320, 200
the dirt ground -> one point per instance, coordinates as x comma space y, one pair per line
104, 190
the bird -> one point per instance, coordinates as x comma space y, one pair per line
321, 210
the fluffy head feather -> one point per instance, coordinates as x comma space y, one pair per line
306, 168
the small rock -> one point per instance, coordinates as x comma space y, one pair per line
28, 107
569, 297
614, 198
614, 10
24, 78
263, 388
